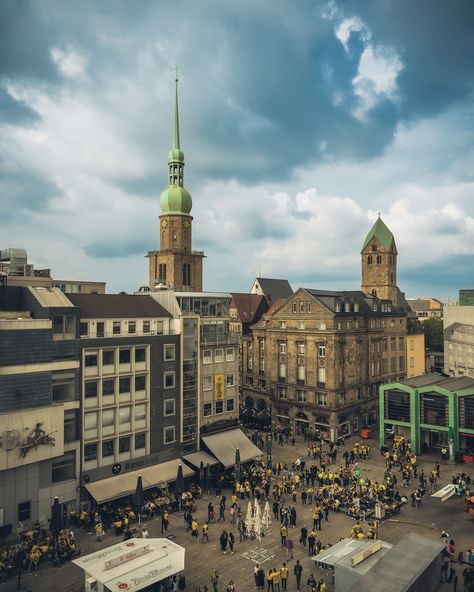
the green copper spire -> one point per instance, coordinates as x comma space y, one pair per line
176, 199
382, 233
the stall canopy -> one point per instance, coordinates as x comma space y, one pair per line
224, 444
133, 564
196, 458
118, 486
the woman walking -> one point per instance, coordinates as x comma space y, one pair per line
223, 540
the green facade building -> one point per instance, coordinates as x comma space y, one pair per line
432, 411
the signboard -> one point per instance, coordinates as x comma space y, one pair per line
127, 556
219, 387
359, 557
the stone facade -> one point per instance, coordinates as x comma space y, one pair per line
317, 360
379, 267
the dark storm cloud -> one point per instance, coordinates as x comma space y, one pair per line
435, 39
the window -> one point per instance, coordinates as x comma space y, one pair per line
100, 329
90, 360
261, 365
108, 420
84, 329
322, 326
321, 375
124, 444
124, 385
207, 356
301, 373
64, 326
294, 307
64, 386
379, 259
219, 355
132, 327
282, 347
140, 354
229, 380
282, 370
207, 409
229, 354
168, 380
282, 324
108, 357
250, 361
63, 468
140, 440
322, 351
140, 382
90, 389
301, 306
70, 425
117, 327
400, 342
301, 349
169, 435
230, 405
24, 511
169, 352
91, 420
301, 395
412, 344
412, 362
281, 392
169, 407
321, 399
301, 325
219, 407
207, 383
90, 452
108, 448
146, 329
401, 363
369, 259
261, 344
140, 412
124, 356
124, 415
108, 387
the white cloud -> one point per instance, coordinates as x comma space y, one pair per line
351, 25
69, 61
376, 78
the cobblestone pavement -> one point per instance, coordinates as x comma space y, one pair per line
201, 559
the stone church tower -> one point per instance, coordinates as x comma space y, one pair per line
379, 263
176, 265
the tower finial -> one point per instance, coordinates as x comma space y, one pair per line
378, 214
176, 113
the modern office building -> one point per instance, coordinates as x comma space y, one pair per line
432, 411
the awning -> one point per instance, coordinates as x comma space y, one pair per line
224, 444
118, 486
196, 458
133, 564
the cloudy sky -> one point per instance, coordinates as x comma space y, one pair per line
299, 122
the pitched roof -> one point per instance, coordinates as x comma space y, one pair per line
380, 231
329, 297
274, 289
450, 383
125, 306
248, 306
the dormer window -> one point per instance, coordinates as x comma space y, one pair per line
338, 306
374, 247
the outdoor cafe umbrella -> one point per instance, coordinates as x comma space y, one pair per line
257, 520
266, 519
55, 523
237, 464
180, 479
249, 522
139, 497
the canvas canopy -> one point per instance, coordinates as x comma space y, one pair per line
224, 444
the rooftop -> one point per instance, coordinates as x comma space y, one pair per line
452, 384
125, 306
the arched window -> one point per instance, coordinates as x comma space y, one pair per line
374, 247
379, 259
374, 293
369, 259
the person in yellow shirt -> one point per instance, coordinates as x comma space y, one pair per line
205, 532
284, 576
194, 530
276, 580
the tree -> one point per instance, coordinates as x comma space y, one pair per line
434, 339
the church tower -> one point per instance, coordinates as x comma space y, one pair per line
379, 263
176, 265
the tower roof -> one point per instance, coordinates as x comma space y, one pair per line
380, 231
175, 199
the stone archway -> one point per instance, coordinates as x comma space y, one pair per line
261, 405
301, 423
248, 402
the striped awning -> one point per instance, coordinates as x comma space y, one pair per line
125, 484
224, 444
196, 458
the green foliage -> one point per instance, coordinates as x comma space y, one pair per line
433, 329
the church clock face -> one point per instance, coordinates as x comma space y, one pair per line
164, 223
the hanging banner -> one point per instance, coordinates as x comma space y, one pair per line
219, 387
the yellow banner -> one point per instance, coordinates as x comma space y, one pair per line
218, 387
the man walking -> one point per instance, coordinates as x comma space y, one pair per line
298, 570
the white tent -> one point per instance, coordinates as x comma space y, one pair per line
132, 565
249, 520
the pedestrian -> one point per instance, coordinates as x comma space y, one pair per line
284, 577
164, 521
145, 534
231, 542
223, 541
215, 580
99, 531
298, 570
260, 579
205, 532
304, 536
181, 582
289, 548
269, 581
221, 513
283, 534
